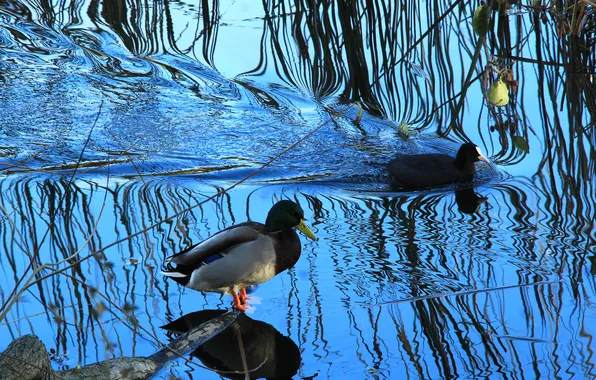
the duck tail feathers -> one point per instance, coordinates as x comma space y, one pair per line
174, 274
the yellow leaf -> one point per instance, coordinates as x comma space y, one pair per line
403, 128
521, 143
481, 19
359, 113
498, 94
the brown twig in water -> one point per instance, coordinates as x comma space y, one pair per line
466, 85
423, 36
12, 298
242, 354
457, 294
14, 295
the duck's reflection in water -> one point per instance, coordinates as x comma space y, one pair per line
468, 201
269, 354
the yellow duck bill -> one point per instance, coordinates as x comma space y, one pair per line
302, 227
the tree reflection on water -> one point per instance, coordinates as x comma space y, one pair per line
492, 281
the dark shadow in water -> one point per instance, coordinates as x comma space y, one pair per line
397, 59
468, 201
271, 354
374, 250
372, 52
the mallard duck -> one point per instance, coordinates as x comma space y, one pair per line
242, 255
428, 170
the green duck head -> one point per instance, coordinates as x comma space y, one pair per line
286, 214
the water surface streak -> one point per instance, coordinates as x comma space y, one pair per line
372, 273
118, 121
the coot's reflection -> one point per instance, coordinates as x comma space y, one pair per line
593, 262
275, 355
468, 201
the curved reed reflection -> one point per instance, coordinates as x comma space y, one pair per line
405, 62
396, 285
450, 286
350, 50
447, 290
563, 72
53, 221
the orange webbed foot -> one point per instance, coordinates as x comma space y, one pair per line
243, 297
239, 304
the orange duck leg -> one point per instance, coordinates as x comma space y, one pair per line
243, 296
238, 304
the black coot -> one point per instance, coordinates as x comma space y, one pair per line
427, 170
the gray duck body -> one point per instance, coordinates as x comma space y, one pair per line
250, 255
243, 255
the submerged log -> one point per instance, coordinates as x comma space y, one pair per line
26, 358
